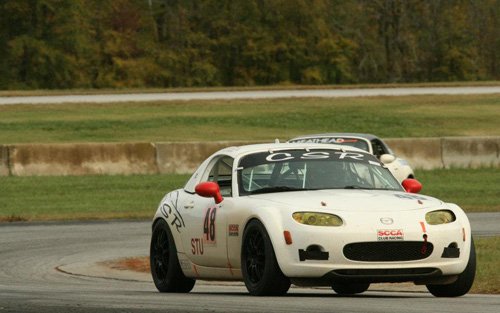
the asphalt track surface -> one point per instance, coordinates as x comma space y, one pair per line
221, 95
35, 257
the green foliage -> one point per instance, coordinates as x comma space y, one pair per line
172, 43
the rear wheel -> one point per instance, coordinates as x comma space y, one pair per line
463, 283
165, 268
260, 268
350, 289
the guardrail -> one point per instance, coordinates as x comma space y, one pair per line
185, 157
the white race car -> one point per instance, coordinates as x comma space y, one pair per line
376, 146
311, 215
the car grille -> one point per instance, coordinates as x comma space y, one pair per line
387, 251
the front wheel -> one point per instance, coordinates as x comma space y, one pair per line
261, 271
463, 283
165, 268
350, 289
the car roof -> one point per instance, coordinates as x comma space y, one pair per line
241, 150
333, 135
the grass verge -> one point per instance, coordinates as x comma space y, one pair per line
84, 197
137, 196
255, 120
474, 190
488, 266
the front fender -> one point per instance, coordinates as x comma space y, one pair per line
169, 212
464, 220
275, 221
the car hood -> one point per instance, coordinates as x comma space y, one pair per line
351, 200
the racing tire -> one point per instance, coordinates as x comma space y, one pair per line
463, 283
261, 272
165, 269
350, 289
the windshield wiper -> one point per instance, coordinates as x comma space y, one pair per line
276, 189
356, 187
366, 188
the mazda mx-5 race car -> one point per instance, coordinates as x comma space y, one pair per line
368, 142
311, 215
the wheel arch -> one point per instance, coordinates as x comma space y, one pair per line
155, 221
271, 219
176, 236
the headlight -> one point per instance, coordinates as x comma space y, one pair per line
440, 217
317, 219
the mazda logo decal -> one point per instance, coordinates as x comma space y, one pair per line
387, 220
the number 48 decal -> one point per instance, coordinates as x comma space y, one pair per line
209, 225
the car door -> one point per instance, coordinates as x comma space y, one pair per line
205, 239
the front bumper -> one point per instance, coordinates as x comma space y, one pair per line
319, 252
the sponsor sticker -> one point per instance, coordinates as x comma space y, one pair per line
324, 140
409, 196
403, 162
185, 264
233, 230
390, 234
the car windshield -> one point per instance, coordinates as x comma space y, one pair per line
311, 169
353, 142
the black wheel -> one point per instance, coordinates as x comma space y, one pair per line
463, 283
350, 289
261, 271
165, 268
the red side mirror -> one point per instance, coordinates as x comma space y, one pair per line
209, 190
412, 185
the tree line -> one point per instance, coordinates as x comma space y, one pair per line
182, 43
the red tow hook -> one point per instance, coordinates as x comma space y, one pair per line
424, 246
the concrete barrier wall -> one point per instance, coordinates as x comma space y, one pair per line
82, 159
471, 152
185, 157
424, 153
181, 158
4, 160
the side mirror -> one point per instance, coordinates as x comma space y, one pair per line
412, 185
209, 190
387, 158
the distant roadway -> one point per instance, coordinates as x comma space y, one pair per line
220, 95
33, 254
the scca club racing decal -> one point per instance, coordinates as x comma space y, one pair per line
168, 209
390, 234
209, 225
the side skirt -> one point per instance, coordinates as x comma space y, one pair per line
194, 271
